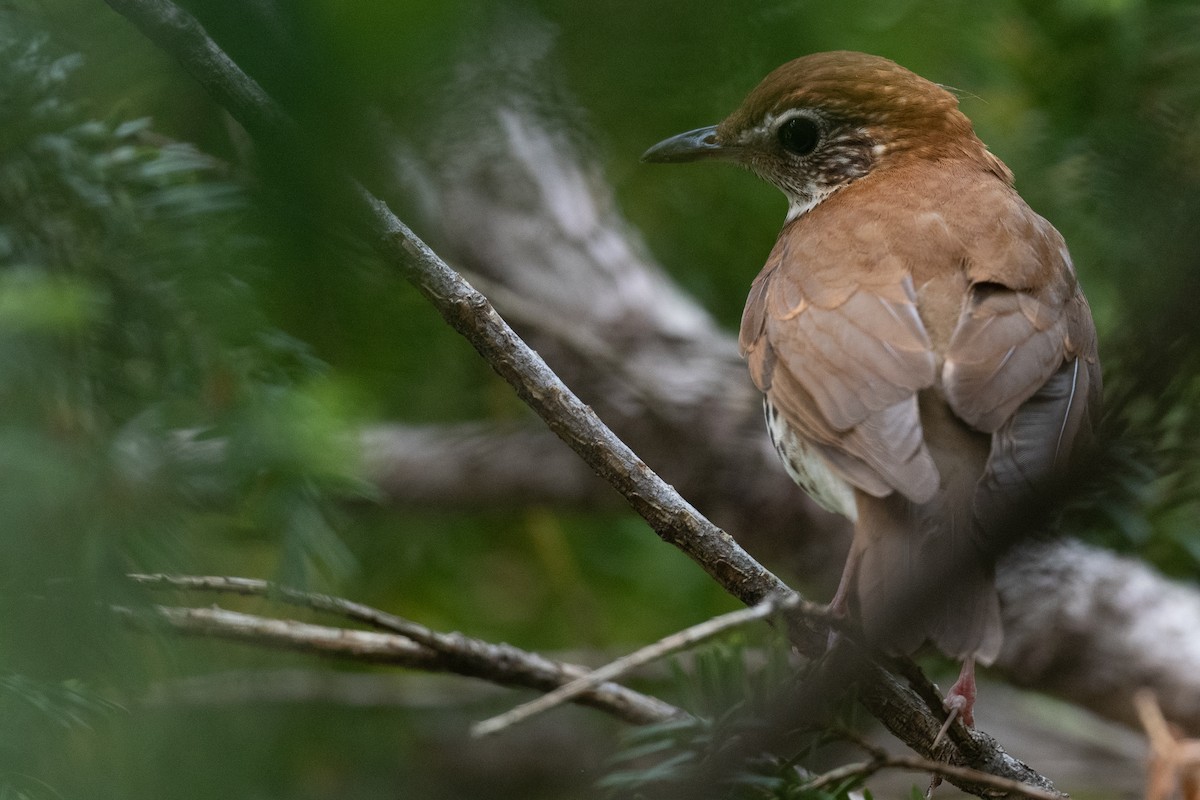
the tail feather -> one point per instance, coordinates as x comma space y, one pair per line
924, 573
919, 582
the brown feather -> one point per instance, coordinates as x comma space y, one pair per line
915, 556
898, 287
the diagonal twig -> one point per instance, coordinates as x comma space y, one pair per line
689, 637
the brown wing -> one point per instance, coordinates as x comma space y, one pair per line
842, 358
1022, 364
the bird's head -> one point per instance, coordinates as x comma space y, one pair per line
817, 123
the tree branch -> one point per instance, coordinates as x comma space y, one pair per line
498, 663
680, 640
446, 644
479, 465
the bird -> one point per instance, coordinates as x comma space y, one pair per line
927, 357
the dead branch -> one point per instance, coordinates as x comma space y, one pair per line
498, 663
675, 642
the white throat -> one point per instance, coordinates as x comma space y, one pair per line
802, 204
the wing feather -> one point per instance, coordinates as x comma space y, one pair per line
1022, 365
844, 365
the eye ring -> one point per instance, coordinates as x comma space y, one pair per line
799, 135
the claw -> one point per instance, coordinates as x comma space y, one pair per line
960, 700
941, 734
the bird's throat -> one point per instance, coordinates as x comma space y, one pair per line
800, 204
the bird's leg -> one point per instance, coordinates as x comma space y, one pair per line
962, 694
839, 606
960, 700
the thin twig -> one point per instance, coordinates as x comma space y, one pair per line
498, 663
680, 640
449, 644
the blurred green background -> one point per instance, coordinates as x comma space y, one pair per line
152, 283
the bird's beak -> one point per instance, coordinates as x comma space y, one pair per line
697, 145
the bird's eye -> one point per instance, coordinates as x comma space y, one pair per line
799, 135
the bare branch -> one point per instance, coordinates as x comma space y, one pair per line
681, 640
479, 465
456, 652
451, 645
498, 663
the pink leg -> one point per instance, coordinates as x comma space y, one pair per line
839, 606
960, 700
962, 694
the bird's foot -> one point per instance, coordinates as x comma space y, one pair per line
960, 700
962, 694
839, 609
837, 612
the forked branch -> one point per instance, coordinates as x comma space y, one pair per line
404, 643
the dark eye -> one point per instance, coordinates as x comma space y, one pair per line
799, 135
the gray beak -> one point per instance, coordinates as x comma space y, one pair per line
700, 144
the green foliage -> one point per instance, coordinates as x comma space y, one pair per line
68, 704
127, 312
1123, 182
735, 703
131, 340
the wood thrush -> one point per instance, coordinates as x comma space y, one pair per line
926, 354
